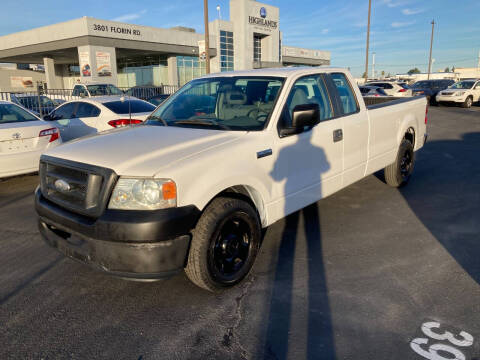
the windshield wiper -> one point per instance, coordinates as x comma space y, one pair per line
206, 122
157, 118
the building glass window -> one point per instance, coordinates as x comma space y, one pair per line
188, 68
257, 48
226, 50
145, 70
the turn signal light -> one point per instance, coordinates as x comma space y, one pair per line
52, 132
123, 122
402, 90
426, 114
169, 190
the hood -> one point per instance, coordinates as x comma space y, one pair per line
142, 150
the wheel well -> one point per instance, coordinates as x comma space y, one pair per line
410, 135
248, 194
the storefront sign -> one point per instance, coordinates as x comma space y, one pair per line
21, 82
201, 50
253, 20
104, 66
115, 29
84, 60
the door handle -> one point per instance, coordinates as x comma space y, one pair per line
337, 135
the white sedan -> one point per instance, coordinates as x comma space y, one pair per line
91, 115
392, 88
23, 138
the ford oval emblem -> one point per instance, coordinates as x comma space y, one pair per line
263, 12
62, 185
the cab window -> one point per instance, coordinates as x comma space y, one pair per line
309, 89
345, 93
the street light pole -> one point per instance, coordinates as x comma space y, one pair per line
368, 38
431, 46
207, 44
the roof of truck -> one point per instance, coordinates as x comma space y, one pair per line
281, 72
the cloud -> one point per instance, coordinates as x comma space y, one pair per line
130, 17
412, 11
391, 3
325, 31
402, 24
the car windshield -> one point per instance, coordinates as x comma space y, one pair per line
103, 89
10, 113
221, 103
463, 85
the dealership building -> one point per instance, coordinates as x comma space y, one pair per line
93, 50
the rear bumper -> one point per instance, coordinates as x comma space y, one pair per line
132, 244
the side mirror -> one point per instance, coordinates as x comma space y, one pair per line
305, 115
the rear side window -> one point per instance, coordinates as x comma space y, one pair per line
364, 90
86, 110
64, 112
129, 106
345, 92
10, 113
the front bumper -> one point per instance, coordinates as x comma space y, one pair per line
144, 245
450, 99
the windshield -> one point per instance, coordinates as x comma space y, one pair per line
222, 103
463, 85
423, 85
104, 89
10, 113
129, 106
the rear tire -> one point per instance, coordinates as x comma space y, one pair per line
467, 103
224, 245
398, 174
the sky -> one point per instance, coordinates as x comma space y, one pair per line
400, 29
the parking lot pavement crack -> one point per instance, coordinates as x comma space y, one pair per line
231, 335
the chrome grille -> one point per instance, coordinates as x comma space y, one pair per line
78, 187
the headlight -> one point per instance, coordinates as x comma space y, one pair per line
460, 93
143, 194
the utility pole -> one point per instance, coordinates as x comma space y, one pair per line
368, 38
373, 65
431, 46
207, 44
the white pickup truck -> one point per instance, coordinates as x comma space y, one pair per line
224, 157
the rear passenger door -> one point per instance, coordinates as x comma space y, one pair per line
62, 117
84, 121
355, 128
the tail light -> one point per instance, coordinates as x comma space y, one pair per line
402, 90
123, 122
426, 114
52, 132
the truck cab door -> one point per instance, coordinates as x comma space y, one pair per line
355, 128
308, 165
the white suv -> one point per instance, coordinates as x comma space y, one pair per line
464, 92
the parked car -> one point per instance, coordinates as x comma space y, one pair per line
464, 93
31, 102
23, 138
158, 99
89, 90
87, 116
392, 88
430, 88
368, 91
193, 187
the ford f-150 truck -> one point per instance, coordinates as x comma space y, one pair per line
226, 156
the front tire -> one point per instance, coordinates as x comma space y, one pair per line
224, 245
398, 174
468, 102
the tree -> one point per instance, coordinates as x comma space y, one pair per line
383, 73
447, 69
453, 68
413, 71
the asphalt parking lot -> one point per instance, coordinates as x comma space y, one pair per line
352, 277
